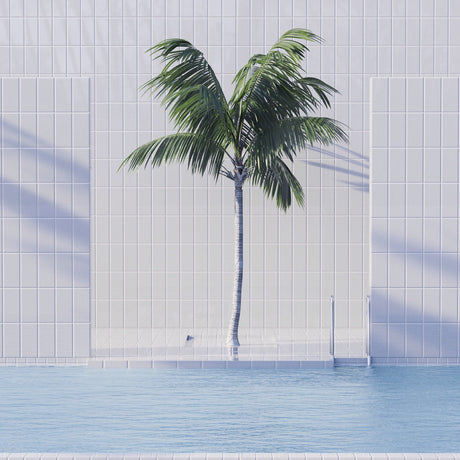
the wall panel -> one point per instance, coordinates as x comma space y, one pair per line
45, 217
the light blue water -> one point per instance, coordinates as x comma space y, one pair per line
328, 410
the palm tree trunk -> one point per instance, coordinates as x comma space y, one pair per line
232, 337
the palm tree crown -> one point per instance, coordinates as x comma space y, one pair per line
253, 136
262, 126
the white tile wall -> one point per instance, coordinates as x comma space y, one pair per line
415, 217
161, 253
238, 456
44, 252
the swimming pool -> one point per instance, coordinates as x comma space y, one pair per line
383, 409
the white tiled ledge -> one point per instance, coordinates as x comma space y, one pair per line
206, 364
415, 361
81, 362
235, 456
133, 363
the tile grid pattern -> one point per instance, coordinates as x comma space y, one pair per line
237, 456
44, 252
270, 266
297, 261
414, 217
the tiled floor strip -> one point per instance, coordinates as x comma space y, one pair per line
137, 363
234, 456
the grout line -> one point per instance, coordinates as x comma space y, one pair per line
165, 301
321, 303
405, 260
138, 195
441, 216
423, 216
20, 120
458, 229
388, 216
179, 220
54, 226
36, 212
109, 201
123, 188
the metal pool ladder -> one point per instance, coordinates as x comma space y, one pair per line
332, 331
368, 332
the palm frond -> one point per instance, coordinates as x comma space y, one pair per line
269, 149
189, 88
265, 123
278, 182
322, 130
292, 135
322, 89
200, 153
288, 42
272, 87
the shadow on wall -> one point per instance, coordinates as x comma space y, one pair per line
409, 320
413, 338
45, 193
347, 166
440, 267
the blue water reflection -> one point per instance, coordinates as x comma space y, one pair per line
329, 410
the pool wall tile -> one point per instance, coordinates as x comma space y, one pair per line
46, 340
189, 364
140, 364
165, 364
287, 364
115, 364
214, 364
81, 340
239, 365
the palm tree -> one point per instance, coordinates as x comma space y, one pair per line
253, 136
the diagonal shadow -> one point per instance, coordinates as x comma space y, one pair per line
415, 339
15, 138
20, 201
424, 319
355, 166
431, 254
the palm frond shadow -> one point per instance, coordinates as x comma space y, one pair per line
347, 166
419, 334
70, 229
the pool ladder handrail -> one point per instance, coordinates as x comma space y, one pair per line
368, 335
368, 332
332, 331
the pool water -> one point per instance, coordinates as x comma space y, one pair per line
385, 409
